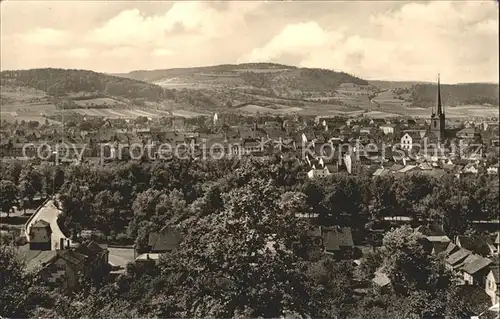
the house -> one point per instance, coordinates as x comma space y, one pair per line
454, 259
338, 241
467, 134
147, 258
480, 245
470, 168
492, 283
476, 271
389, 128
492, 170
97, 261
40, 236
435, 235
166, 240
59, 269
318, 173
411, 139
367, 130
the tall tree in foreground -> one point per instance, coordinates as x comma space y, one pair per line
242, 262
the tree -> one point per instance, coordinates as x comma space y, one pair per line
410, 266
241, 261
14, 283
30, 183
8, 196
370, 262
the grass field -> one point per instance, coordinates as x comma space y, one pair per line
98, 101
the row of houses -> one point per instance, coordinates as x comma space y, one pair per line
473, 259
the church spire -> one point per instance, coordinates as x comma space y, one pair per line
439, 107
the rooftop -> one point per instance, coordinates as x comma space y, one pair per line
477, 265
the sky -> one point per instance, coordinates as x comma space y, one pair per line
385, 40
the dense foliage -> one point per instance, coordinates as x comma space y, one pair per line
244, 252
60, 82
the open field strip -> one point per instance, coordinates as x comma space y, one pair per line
147, 114
186, 113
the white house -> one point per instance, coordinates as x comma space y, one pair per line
491, 284
492, 170
470, 169
410, 139
388, 128
318, 173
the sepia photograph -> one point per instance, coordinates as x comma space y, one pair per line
249, 159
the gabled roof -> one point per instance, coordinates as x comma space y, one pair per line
35, 259
94, 247
457, 256
477, 265
71, 256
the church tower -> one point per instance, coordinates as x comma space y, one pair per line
438, 119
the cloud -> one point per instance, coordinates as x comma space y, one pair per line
161, 52
121, 52
414, 42
78, 53
489, 27
45, 37
300, 37
133, 27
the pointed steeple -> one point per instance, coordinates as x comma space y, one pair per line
439, 107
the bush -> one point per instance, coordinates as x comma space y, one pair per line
123, 239
21, 241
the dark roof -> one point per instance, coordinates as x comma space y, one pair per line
477, 244
431, 230
71, 256
94, 247
167, 239
337, 237
414, 134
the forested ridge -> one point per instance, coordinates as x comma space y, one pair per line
60, 82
